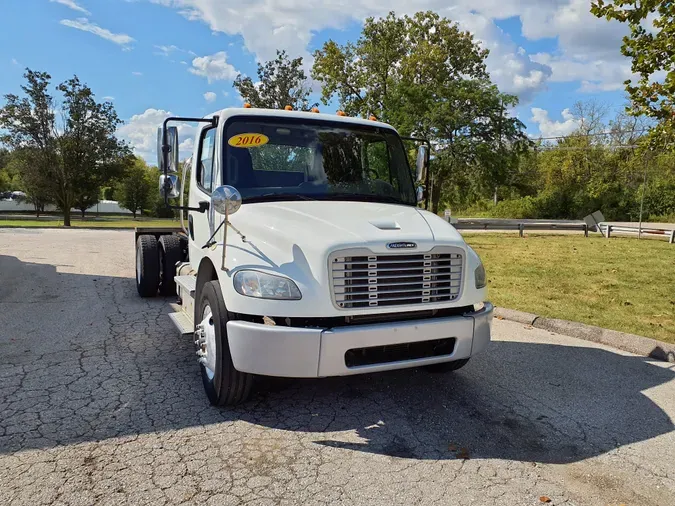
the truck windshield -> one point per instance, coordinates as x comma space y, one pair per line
272, 159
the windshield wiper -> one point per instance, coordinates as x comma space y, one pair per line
367, 197
281, 196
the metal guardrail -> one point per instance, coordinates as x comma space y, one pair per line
668, 234
521, 227
605, 229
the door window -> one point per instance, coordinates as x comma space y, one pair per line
207, 146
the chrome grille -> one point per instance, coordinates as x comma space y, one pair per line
361, 279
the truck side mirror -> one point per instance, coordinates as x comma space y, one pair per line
226, 200
422, 162
420, 193
169, 185
170, 144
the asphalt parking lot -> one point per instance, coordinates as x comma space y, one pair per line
101, 402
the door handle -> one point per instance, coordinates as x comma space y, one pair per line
204, 206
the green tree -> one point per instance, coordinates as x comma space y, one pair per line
135, 190
425, 76
281, 82
22, 168
5, 176
71, 159
652, 51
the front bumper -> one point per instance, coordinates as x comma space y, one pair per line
310, 353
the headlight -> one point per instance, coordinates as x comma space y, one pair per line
265, 286
481, 278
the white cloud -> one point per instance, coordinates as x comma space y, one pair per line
551, 128
587, 47
210, 96
72, 5
141, 132
121, 39
15, 61
594, 75
268, 25
168, 50
214, 67
108, 98
137, 74
510, 67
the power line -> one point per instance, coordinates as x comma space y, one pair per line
597, 134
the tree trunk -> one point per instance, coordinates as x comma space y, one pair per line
37, 210
83, 211
495, 195
66, 217
134, 213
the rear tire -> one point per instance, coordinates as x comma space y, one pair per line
147, 266
445, 367
170, 253
224, 386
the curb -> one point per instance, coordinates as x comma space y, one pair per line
639, 345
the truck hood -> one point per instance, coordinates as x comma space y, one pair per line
295, 240
319, 227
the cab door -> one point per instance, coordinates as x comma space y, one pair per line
203, 182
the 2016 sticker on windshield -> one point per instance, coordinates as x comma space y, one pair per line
248, 140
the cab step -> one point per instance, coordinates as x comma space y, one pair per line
182, 322
186, 284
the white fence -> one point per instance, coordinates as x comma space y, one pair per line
103, 207
668, 234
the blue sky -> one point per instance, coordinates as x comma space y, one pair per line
152, 57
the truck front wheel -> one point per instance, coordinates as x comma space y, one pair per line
147, 266
224, 385
447, 366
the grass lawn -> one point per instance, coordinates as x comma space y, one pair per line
107, 222
622, 284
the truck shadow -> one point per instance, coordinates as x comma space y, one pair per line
519, 401
84, 359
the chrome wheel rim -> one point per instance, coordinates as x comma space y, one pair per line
208, 346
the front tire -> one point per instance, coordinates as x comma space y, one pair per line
147, 266
444, 367
224, 385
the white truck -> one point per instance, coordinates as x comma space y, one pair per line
305, 253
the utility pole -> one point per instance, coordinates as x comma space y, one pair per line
642, 197
501, 116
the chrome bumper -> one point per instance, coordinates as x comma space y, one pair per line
312, 353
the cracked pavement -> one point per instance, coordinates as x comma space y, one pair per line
101, 402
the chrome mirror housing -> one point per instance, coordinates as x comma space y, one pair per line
421, 163
169, 186
420, 194
172, 145
226, 200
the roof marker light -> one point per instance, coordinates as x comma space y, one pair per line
341, 113
247, 105
315, 109
288, 108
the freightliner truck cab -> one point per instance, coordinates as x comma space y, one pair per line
304, 253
